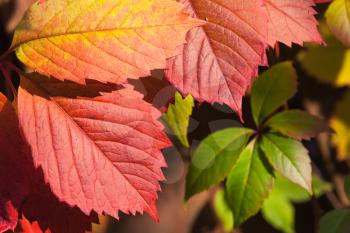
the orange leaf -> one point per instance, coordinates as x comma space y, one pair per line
104, 40
33, 227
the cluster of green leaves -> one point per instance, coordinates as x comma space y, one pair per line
249, 159
278, 208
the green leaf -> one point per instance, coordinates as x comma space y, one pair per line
338, 20
223, 211
248, 184
297, 124
336, 221
297, 194
292, 191
278, 209
290, 158
272, 89
347, 185
214, 158
319, 187
178, 117
279, 212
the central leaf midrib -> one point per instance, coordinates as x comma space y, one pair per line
245, 183
98, 31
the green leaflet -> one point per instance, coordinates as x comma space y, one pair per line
336, 221
290, 158
340, 122
272, 89
297, 194
347, 185
338, 20
214, 158
279, 211
297, 124
178, 117
223, 211
319, 187
278, 208
248, 184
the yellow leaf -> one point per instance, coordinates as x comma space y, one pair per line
104, 40
329, 64
340, 123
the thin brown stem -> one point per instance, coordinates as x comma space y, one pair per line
14, 68
330, 195
5, 55
324, 143
8, 79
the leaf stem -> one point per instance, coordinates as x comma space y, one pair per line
8, 79
5, 55
14, 68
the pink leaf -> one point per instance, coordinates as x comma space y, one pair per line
22, 186
292, 21
100, 152
220, 58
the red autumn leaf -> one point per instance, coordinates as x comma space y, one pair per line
27, 227
43, 207
107, 40
220, 58
14, 182
292, 21
8, 216
100, 152
22, 187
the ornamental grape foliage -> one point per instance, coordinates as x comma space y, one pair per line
77, 140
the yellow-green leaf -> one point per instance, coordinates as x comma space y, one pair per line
338, 19
279, 212
104, 40
329, 64
223, 211
178, 117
